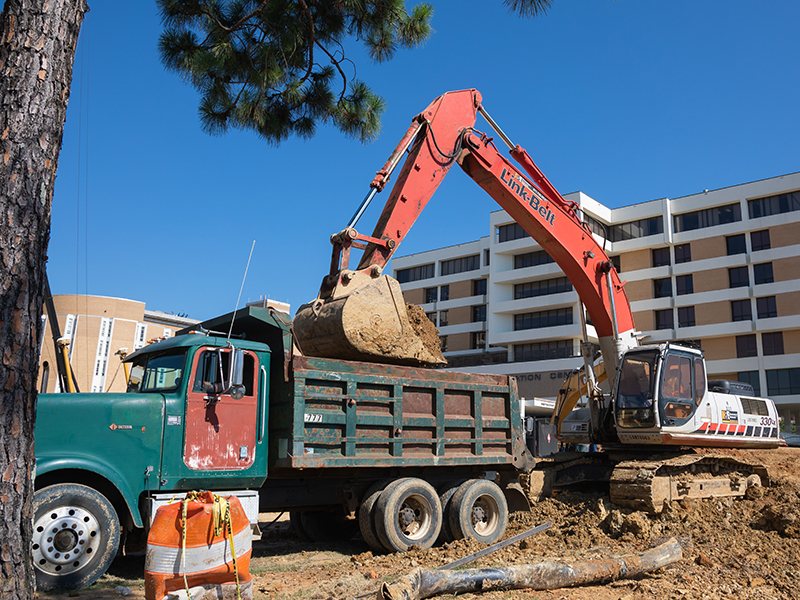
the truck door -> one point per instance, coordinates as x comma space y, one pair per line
220, 429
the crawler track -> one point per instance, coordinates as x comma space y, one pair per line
647, 485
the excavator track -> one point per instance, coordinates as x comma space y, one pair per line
648, 485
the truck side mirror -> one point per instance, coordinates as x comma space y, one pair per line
236, 374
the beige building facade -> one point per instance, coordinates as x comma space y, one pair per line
100, 329
720, 268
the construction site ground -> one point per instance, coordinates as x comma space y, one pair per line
733, 548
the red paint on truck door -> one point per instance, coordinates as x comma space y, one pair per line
220, 430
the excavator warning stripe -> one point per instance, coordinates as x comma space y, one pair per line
736, 430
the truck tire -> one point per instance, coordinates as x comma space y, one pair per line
478, 510
366, 515
408, 513
75, 536
445, 495
297, 526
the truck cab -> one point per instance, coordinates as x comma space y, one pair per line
113, 458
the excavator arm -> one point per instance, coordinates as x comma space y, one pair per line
339, 321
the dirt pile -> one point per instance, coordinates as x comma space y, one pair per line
427, 331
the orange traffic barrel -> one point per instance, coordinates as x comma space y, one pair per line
201, 544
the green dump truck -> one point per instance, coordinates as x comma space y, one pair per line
405, 455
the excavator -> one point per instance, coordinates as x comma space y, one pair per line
652, 402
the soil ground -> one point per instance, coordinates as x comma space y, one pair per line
743, 548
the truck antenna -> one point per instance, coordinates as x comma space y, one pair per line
240, 291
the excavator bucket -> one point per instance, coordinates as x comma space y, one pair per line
368, 320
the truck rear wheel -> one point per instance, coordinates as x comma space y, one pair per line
446, 493
75, 536
366, 515
408, 513
479, 510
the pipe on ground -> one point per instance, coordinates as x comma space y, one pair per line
424, 583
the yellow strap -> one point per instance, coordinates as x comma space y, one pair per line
221, 521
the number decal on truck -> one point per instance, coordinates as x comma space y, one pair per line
309, 418
767, 422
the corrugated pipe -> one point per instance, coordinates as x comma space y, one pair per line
424, 583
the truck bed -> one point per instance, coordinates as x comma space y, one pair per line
352, 414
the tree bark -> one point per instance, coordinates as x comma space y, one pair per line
37, 50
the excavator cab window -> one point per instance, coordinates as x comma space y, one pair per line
680, 388
635, 394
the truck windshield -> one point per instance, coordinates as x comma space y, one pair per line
635, 391
157, 372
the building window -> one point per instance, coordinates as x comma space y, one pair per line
479, 313
443, 342
514, 231
431, 317
746, 346
664, 319
752, 378
762, 273
616, 262
636, 229
662, 288
479, 287
736, 244
545, 318
738, 277
544, 351
710, 217
741, 310
444, 318
486, 259
531, 259
766, 307
596, 226
684, 284
660, 257
686, 316
430, 295
772, 343
460, 265
759, 240
782, 382
444, 293
416, 273
683, 253
774, 205
545, 287
478, 340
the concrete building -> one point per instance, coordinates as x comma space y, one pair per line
721, 268
98, 328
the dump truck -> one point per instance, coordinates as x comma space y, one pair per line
247, 415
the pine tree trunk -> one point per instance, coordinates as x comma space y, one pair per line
37, 50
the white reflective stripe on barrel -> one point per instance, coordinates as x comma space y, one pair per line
168, 559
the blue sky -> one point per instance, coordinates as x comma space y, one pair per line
624, 100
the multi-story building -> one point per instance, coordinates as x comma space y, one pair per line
720, 268
99, 330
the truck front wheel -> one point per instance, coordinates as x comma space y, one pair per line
75, 536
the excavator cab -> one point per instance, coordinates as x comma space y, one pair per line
659, 386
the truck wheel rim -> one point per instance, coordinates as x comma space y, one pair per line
485, 515
414, 517
64, 540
